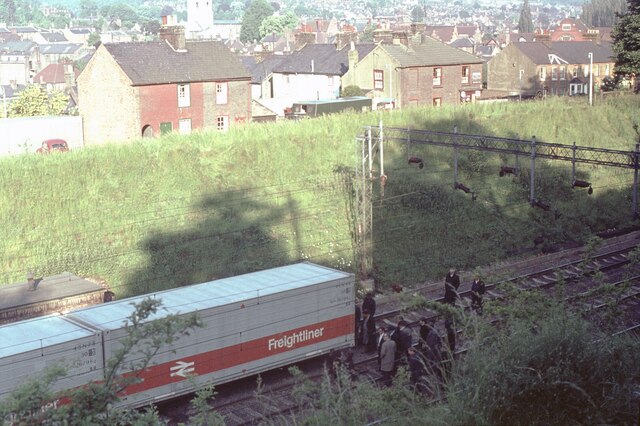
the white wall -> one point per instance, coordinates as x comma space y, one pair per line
305, 87
25, 134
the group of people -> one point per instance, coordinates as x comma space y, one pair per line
394, 345
451, 285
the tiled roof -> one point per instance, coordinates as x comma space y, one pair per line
17, 46
442, 32
463, 42
468, 30
80, 30
24, 29
158, 63
260, 70
54, 37
429, 53
60, 49
10, 92
573, 52
53, 73
326, 59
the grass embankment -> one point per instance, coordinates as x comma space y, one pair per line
179, 210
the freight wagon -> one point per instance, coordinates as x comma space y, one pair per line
58, 293
252, 323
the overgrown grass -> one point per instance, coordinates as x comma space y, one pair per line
177, 210
548, 367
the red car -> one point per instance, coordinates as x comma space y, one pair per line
51, 145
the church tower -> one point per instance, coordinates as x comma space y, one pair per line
200, 19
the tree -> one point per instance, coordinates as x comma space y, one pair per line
34, 100
257, 12
351, 91
93, 403
525, 24
88, 8
278, 24
367, 33
8, 12
417, 14
626, 41
602, 13
94, 39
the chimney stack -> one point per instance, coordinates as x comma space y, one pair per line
31, 282
173, 34
353, 57
382, 36
303, 39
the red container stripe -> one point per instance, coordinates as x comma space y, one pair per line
243, 353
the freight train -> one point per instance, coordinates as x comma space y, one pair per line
251, 323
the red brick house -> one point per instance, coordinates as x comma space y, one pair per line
426, 72
143, 89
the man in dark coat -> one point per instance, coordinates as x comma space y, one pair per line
451, 284
369, 332
416, 367
477, 290
403, 338
369, 304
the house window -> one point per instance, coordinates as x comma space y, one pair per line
165, 128
437, 76
437, 102
378, 79
543, 73
563, 73
222, 90
586, 71
184, 126
597, 70
466, 71
554, 73
606, 70
184, 96
476, 77
566, 27
222, 123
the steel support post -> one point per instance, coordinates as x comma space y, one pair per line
532, 194
635, 181
455, 157
573, 164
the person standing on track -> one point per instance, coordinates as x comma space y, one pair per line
387, 358
369, 304
477, 290
451, 284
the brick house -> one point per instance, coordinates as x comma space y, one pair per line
313, 72
143, 89
424, 72
549, 68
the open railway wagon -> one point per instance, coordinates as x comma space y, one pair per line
57, 293
252, 323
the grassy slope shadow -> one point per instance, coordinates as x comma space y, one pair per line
232, 238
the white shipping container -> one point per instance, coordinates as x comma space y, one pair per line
252, 323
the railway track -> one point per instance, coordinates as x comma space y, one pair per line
580, 275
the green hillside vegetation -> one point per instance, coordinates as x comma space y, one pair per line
179, 210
